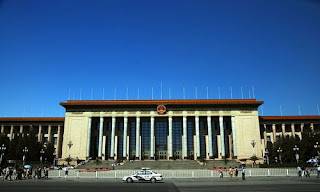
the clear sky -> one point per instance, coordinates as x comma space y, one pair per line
49, 47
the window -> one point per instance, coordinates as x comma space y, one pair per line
55, 140
145, 136
55, 130
202, 125
120, 146
190, 128
214, 146
213, 126
132, 138
120, 126
202, 146
161, 136
268, 138
177, 136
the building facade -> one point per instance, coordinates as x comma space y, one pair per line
161, 129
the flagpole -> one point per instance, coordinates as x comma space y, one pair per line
241, 93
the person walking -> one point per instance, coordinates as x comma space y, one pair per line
318, 170
236, 171
220, 173
66, 173
243, 173
231, 173
299, 171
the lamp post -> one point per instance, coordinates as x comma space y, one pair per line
253, 143
70, 145
54, 158
296, 149
25, 150
317, 146
2, 149
279, 151
267, 157
41, 154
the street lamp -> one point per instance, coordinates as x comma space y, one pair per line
41, 153
54, 158
253, 143
317, 146
279, 151
2, 149
296, 149
267, 157
70, 145
25, 150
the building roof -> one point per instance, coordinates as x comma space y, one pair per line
309, 117
34, 119
163, 102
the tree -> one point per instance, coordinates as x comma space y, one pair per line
49, 150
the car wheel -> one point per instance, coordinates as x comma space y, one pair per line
129, 180
153, 180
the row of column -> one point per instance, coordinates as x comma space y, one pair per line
152, 142
283, 130
40, 135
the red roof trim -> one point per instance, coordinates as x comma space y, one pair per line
165, 102
56, 119
288, 117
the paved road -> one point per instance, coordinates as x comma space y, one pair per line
270, 184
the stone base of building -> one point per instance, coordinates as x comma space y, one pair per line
170, 158
137, 158
152, 158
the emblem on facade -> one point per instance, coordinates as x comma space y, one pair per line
161, 109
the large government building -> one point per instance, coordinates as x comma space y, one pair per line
160, 129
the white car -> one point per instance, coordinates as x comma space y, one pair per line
143, 175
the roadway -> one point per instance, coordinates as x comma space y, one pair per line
173, 185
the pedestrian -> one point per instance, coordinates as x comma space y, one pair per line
299, 171
220, 173
231, 173
303, 169
236, 171
243, 173
46, 172
318, 170
66, 173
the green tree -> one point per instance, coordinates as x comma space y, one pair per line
49, 150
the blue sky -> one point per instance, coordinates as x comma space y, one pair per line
50, 47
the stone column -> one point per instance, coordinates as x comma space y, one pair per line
2, 128
265, 135
89, 137
234, 138
210, 137
100, 138
185, 142
197, 136
40, 134
50, 134
21, 130
283, 126
59, 146
113, 133
170, 154
293, 130
223, 154
152, 146
125, 130
312, 127
137, 138
274, 133
11, 132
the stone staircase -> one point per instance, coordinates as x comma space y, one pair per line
161, 164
